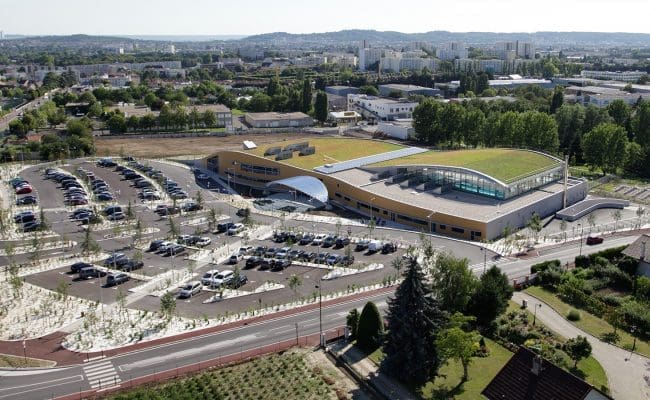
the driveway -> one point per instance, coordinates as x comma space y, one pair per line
627, 375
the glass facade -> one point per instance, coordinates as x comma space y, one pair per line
445, 178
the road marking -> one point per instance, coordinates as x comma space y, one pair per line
101, 374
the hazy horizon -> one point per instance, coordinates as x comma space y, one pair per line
209, 18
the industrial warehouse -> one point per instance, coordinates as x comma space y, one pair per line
468, 194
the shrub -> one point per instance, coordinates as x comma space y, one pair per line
628, 265
582, 261
636, 314
573, 315
543, 266
610, 254
643, 288
370, 328
549, 277
610, 337
611, 300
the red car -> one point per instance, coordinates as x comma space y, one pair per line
24, 189
591, 240
78, 202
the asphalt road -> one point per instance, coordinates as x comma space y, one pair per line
40, 384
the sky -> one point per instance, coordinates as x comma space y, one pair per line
248, 17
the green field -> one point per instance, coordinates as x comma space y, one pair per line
588, 322
7, 361
331, 150
276, 377
504, 164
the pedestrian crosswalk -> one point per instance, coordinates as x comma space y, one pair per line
101, 374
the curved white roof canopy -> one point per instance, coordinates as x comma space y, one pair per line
308, 185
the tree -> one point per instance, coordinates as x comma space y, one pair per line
557, 99
89, 245
605, 147
591, 219
452, 282
616, 216
44, 224
294, 283
321, 106
173, 230
167, 304
209, 119
535, 225
352, 322
454, 343
194, 118
306, 96
577, 348
198, 199
641, 124
490, 299
620, 112
130, 214
371, 328
414, 319
212, 219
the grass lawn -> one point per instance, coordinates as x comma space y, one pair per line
504, 164
7, 361
237, 112
331, 150
588, 322
481, 372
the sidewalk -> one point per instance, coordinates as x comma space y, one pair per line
49, 347
369, 371
629, 377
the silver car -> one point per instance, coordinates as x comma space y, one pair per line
190, 289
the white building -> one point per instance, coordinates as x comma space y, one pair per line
625, 76
399, 129
381, 109
452, 50
493, 66
368, 55
512, 49
413, 61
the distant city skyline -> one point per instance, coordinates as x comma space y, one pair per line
209, 17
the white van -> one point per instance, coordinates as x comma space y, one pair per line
375, 246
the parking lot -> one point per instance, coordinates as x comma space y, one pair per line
157, 226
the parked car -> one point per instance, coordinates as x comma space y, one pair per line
238, 282
266, 263
242, 212
24, 189
26, 200
105, 197
91, 272
183, 239
329, 241
116, 260
306, 239
332, 259
388, 247
162, 248
25, 216
245, 250
78, 266
235, 258
280, 263
132, 265
253, 262
175, 249
235, 229
318, 239
260, 250
203, 241
362, 245
31, 226
341, 242
375, 246
592, 240
112, 209
223, 227
192, 206
190, 289
209, 276
347, 260
116, 216
154, 245
116, 279
223, 278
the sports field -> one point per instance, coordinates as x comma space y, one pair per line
505, 165
331, 150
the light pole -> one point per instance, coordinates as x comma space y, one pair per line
371, 217
429, 220
320, 312
535, 313
581, 230
484, 250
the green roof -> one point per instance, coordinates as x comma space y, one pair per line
330, 150
506, 165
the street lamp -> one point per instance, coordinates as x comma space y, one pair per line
535, 313
484, 250
581, 230
320, 312
429, 220
371, 200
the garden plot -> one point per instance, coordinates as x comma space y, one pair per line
29, 311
